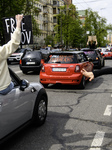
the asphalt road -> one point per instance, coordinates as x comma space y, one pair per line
77, 119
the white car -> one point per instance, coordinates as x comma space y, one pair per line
16, 56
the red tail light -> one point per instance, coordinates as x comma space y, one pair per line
42, 61
20, 62
43, 69
77, 68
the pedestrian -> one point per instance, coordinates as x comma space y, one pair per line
6, 85
96, 73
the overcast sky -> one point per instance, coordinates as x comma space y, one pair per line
103, 7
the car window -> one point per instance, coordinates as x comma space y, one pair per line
14, 78
99, 54
65, 59
22, 50
19, 50
91, 54
82, 57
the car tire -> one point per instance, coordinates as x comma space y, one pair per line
40, 111
99, 66
83, 83
103, 63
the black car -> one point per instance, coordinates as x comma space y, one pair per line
16, 56
31, 61
95, 57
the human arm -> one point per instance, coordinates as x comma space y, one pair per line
89, 75
96, 73
7, 49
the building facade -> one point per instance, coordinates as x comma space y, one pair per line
47, 17
68, 2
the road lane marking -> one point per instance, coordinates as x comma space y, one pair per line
108, 110
97, 141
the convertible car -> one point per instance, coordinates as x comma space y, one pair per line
26, 103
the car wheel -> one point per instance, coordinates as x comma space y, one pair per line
103, 63
83, 83
99, 65
40, 111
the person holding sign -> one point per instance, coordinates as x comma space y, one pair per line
5, 51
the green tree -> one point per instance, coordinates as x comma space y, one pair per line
69, 27
30, 8
10, 8
96, 25
49, 40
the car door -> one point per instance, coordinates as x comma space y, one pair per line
15, 109
86, 64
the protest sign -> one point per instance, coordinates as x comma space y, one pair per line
9, 25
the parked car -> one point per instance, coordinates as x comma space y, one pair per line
95, 56
45, 52
106, 52
65, 67
16, 56
26, 103
31, 61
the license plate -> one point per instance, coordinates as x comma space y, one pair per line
10, 59
59, 69
30, 63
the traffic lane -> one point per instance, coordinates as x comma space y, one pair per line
74, 116
73, 121
87, 115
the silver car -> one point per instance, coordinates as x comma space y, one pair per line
26, 103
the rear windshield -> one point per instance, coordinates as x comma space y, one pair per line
64, 59
91, 54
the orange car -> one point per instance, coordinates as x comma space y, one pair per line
64, 67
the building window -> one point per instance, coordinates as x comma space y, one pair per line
54, 10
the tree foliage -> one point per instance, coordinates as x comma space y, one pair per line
9, 8
49, 40
69, 26
96, 25
30, 8
72, 32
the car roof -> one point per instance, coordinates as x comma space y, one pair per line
66, 52
88, 49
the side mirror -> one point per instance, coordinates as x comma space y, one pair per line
24, 84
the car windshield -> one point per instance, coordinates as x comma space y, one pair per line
21, 50
91, 54
63, 59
